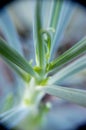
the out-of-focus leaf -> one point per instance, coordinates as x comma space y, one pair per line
9, 31
6, 113
74, 95
9, 102
13, 118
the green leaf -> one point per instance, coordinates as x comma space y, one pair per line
26, 77
55, 13
74, 95
69, 70
38, 40
13, 56
78, 49
54, 19
64, 14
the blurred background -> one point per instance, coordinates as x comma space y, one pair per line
63, 114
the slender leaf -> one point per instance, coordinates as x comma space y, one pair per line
40, 51
56, 9
9, 31
46, 12
22, 74
55, 13
76, 50
69, 70
62, 18
13, 56
74, 95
